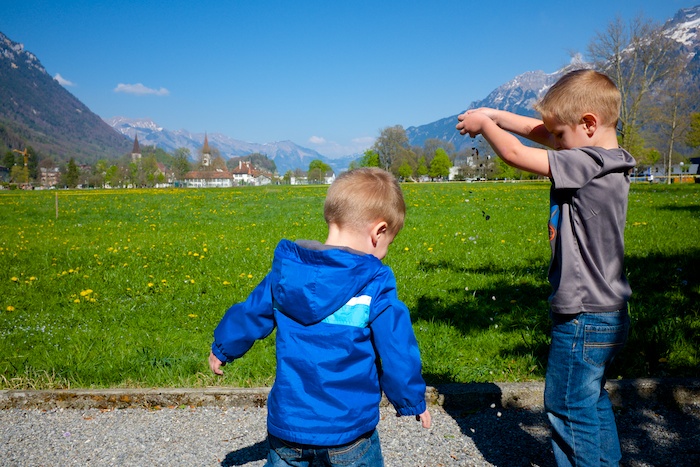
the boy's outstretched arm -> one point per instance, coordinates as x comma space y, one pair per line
527, 127
506, 145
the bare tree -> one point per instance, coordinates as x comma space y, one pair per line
390, 145
671, 111
637, 56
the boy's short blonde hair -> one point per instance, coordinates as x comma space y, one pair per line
580, 92
362, 196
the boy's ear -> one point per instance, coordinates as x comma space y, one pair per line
379, 229
590, 122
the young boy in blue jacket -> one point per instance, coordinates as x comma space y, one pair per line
343, 336
588, 209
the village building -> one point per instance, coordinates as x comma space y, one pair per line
49, 176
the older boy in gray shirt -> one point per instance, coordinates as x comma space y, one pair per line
588, 208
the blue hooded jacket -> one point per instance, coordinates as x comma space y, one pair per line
343, 336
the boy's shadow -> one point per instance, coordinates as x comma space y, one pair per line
256, 452
504, 436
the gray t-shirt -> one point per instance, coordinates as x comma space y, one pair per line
588, 210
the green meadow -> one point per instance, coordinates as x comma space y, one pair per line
123, 288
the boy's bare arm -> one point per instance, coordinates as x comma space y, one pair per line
507, 146
527, 127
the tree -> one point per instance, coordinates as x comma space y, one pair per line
113, 176
181, 163
9, 159
72, 174
317, 170
692, 138
422, 169
19, 174
637, 56
674, 117
431, 145
370, 159
405, 170
440, 165
390, 145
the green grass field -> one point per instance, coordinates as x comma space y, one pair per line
124, 287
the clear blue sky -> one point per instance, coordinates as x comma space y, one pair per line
328, 75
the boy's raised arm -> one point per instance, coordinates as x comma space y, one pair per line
506, 145
527, 127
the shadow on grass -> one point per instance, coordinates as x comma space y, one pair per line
665, 308
663, 343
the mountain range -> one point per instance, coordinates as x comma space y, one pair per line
36, 110
286, 154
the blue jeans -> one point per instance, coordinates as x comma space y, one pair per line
578, 407
363, 452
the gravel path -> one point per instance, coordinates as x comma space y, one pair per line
210, 436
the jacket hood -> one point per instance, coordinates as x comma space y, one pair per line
310, 281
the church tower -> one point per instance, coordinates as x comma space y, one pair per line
136, 152
206, 152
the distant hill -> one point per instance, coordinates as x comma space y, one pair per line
36, 110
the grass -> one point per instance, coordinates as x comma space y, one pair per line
125, 287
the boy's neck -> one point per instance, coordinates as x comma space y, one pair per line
346, 238
606, 138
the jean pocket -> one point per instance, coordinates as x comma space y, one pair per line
283, 449
602, 343
351, 454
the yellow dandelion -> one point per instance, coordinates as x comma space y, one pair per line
226, 283
14, 279
10, 308
150, 284
85, 293
77, 300
191, 315
250, 276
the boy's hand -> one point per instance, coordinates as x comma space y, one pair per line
424, 418
215, 364
472, 122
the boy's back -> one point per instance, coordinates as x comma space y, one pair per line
343, 336
588, 210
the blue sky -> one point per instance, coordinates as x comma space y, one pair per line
328, 75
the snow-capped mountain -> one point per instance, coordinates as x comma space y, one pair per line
519, 94
286, 154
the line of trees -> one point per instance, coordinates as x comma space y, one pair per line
434, 160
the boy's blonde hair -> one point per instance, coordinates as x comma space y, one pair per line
362, 196
580, 92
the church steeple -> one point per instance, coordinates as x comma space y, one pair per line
205, 147
206, 152
136, 152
